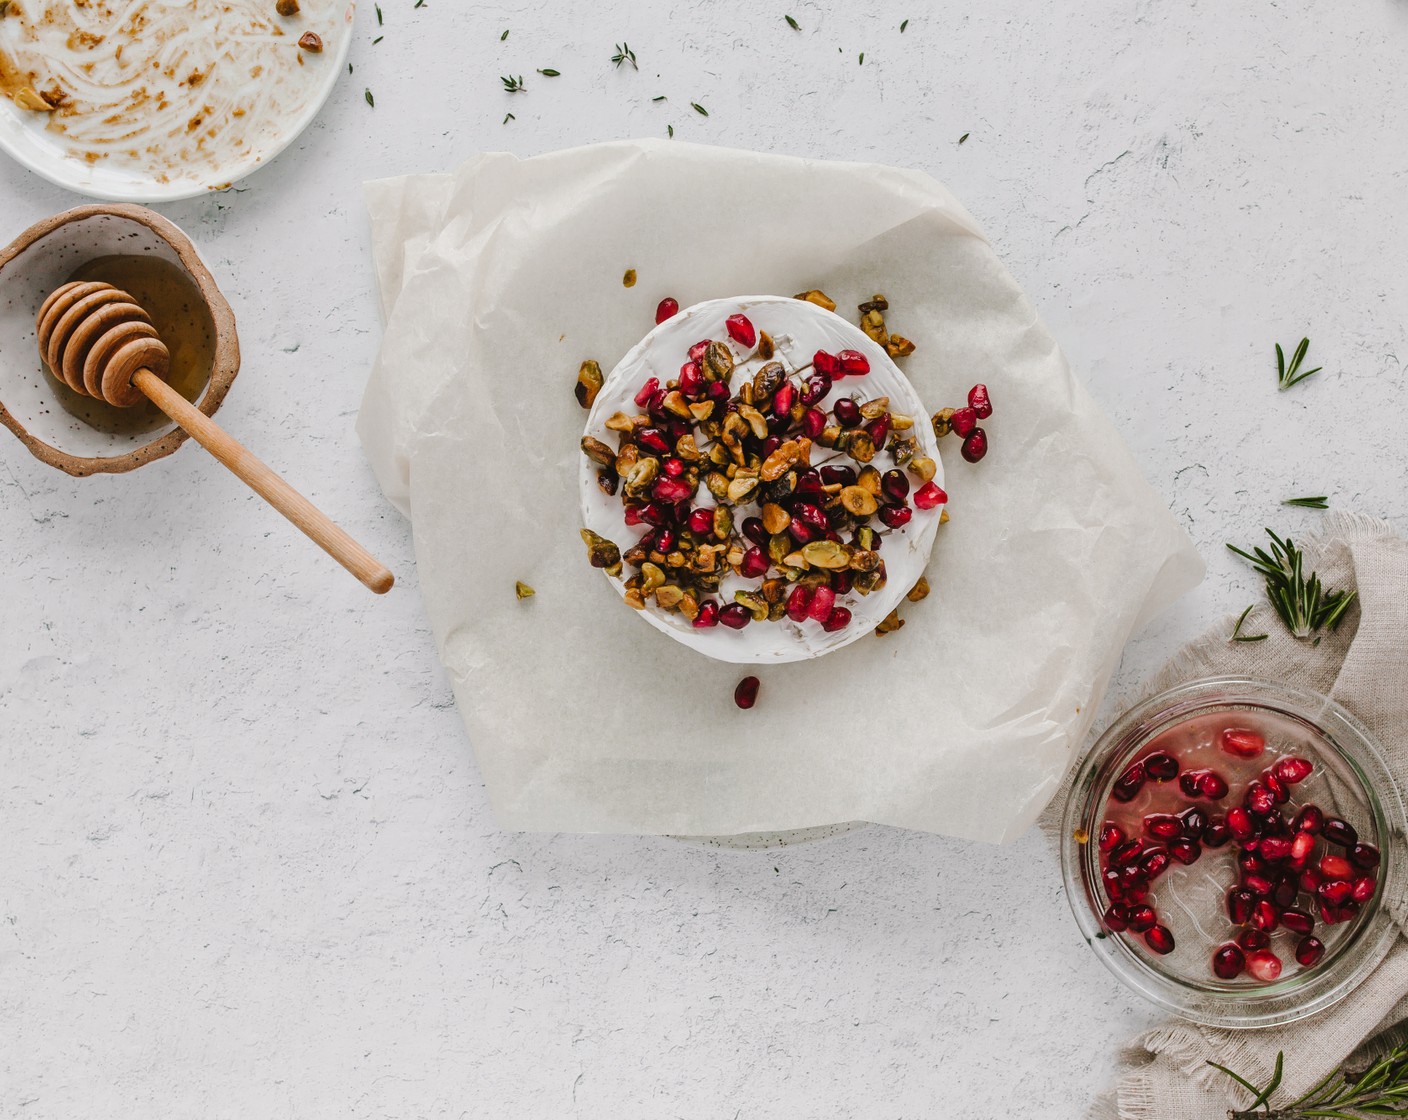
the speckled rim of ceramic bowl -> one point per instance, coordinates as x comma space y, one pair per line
63, 171
226, 362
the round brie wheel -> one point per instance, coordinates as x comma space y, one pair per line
798, 330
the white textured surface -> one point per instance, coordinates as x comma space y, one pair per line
248, 869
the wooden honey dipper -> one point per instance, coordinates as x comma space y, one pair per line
99, 341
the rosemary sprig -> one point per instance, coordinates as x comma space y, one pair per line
1238, 636
514, 85
1320, 502
1380, 1090
624, 54
1286, 376
1300, 600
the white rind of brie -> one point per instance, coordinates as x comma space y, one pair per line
798, 329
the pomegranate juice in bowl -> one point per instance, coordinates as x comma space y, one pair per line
1226, 848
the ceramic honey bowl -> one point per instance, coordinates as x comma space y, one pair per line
141, 251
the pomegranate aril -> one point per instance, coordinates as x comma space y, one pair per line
1185, 851
1161, 767
1362, 889
1239, 905
823, 602
841, 582
809, 514
1193, 822
753, 529
653, 513
813, 423
1141, 918
1116, 918
741, 330
1163, 825
1242, 742
1212, 785
718, 391
838, 476
826, 363
816, 388
1265, 916
1228, 962
696, 352
1309, 951
1310, 880
1301, 848
1297, 921
1259, 799
853, 363
735, 616
1293, 770
798, 600
673, 467
962, 422
1365, 856
1111, 878
1259, 885
783, 398
1111, 836
878, 429
648, 390
1159, 940
653, 439
1309, 819
1336, 867
801, 533
1274, 849
1284, 893
809, 484
708, 615
672, 489
1280, 792
1155, 863
665, 540
1335, 892
1127, 784
979, 401
691, 379
1239, 821
745, 695
667, 308
838, 619
755, 563
847, 412
701, 521
976, 445
1216, 834
1253, 939
1340, 832
896, 517
1264, 964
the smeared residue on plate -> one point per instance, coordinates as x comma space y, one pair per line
174, 88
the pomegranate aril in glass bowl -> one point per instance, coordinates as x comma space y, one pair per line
1226, 848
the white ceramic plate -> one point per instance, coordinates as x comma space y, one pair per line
27, 137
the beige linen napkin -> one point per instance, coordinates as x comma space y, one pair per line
1364, 666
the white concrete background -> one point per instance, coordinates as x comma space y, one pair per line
248, 868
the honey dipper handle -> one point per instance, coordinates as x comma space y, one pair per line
264, 482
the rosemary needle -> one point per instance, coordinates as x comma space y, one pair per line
1320, 502
792, 23
1238, 636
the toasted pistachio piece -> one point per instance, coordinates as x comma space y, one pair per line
522, 590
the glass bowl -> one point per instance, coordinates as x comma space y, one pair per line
1350, 781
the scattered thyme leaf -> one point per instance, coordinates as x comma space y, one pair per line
514, 85
509, 117
698, 108
1288, 375
379, 20
550, 73
903, 26
1300, 600
1320, 502
1238, 636
367, 94
792, 23
522, 590
963, 137
624, 54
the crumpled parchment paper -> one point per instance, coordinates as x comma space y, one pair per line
499, 279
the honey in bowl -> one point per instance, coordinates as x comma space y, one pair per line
180, 317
